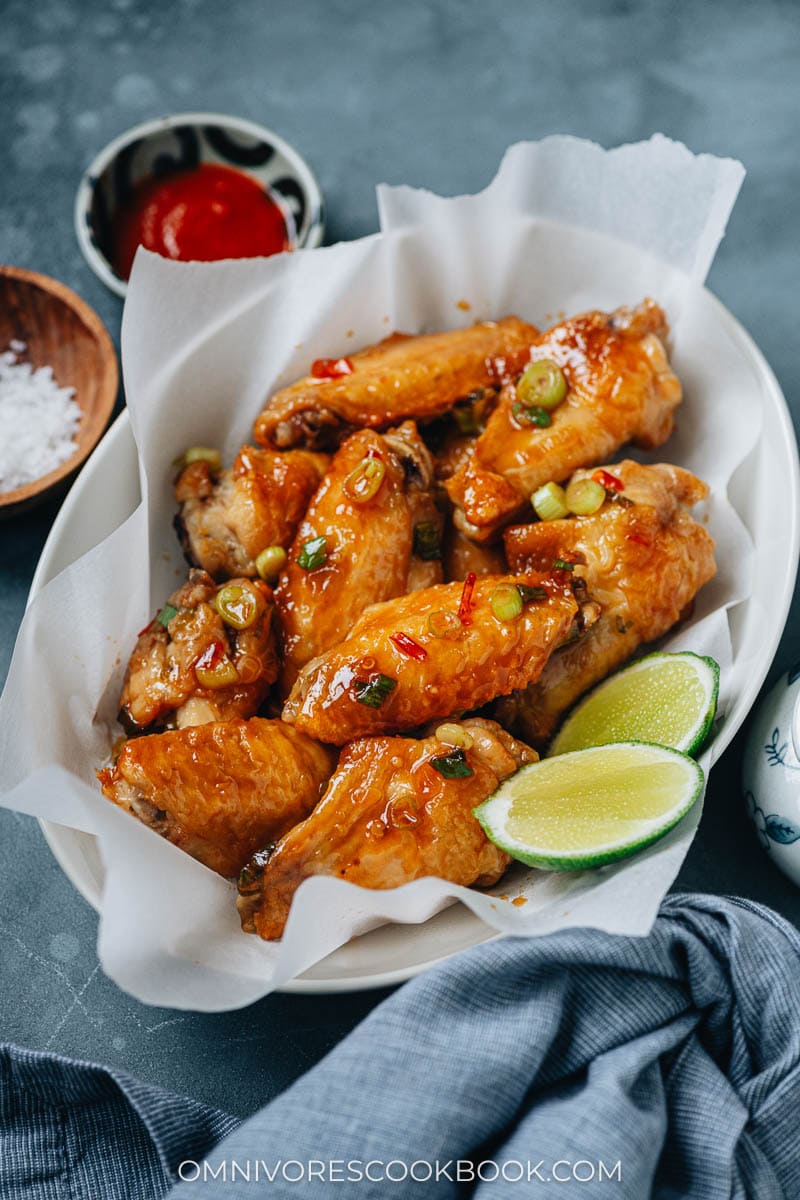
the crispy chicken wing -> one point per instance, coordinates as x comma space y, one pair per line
220, 792
644, 559
621, 389
224, 521
460, 555
389, 816
375, 546
413, 659
400, 377
162, 686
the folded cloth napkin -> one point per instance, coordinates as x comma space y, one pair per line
666, 1066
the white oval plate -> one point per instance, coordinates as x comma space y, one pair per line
765, 491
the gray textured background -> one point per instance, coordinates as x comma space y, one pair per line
424, 93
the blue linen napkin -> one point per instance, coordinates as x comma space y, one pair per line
585, 1063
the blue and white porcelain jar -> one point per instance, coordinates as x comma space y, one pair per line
771, 774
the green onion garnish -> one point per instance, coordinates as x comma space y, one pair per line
427, 543
453, 765
313, 553
166, 614
542, 384
550, 502
528, 594
532, 415
560, 564
373, 692
506, 602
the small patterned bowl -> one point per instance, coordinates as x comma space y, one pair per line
159, 147
772, 774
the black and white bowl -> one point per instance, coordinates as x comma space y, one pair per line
157, 148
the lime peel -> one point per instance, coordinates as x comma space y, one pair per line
665, 699
590, 807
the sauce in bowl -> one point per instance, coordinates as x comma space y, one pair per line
202, 214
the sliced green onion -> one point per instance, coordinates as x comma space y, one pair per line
444, 623
453, 765
364, 483
585, 496
166, 614
271, 562
200, 454
526, 414
528, 594
313, 553
465, 419
222, 674
561, 564
542, 385
550, 502
454, 735
506, 602
427, 542
373, 692
237, 604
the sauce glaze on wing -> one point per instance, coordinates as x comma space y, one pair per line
643, 557
225, 520
402, 377
161, 687
388, 817
621, 389
344, 692
369, 544
222, 791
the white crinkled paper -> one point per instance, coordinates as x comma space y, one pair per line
564, 226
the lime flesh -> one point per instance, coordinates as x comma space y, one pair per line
668, 699
591, 807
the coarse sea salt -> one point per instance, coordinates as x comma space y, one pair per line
38, 420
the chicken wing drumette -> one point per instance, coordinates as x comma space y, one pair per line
620, 388
442, 650
643, 557
401, 377
395, 810
226, 519
209, 655
371, 532
220, 792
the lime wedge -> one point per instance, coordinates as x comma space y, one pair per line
591, 807
669, 699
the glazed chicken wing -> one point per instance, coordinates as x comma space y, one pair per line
403, 376
377, 534
643, 558
220, 792
191, 665
460, 556
442, 650
620, 389
225, 520
390, 815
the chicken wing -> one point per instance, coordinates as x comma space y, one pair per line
460, 555
390, 815
400, 377
220, 792
191, 666
643, 558
226, 520
434, 652
377, 533
620, 388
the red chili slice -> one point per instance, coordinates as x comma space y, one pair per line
608, 481
465, 604
407, 645
331, 368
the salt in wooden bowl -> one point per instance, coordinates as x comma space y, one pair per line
60, 331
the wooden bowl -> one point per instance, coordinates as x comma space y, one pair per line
61, 331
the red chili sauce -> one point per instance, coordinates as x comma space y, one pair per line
201, 214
